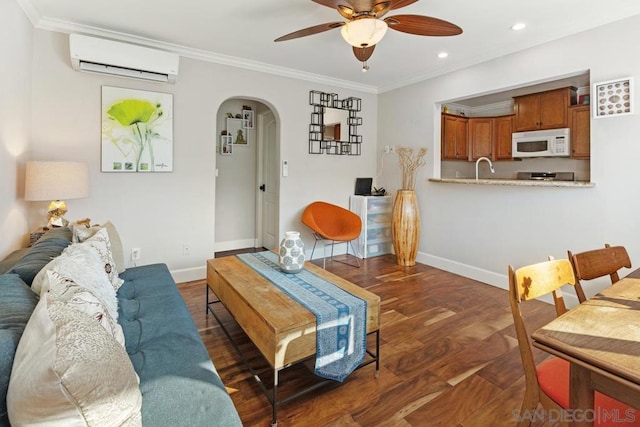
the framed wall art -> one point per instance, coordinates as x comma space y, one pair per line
237, 131
612, 98
137, 130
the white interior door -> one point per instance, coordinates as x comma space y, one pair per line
270, 175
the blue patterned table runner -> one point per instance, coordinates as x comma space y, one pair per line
341, 318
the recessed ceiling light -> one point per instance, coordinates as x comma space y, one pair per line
519, 26
443, 55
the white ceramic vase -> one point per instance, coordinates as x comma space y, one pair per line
291, 252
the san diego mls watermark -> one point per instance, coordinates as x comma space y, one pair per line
597, 416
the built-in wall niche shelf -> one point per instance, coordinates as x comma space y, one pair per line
226, 144
334, 124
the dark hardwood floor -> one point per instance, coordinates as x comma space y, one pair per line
449, 355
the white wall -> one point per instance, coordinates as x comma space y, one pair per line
479, 230
15, 102
160, 212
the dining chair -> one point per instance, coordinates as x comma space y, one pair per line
334, 223
548, 383
596, 263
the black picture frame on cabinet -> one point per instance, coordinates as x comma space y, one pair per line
321, 144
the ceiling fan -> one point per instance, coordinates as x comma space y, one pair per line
364, 26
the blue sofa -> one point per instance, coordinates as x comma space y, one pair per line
178, 381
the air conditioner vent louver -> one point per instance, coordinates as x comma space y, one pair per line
95, 55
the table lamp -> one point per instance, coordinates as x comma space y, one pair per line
56, 181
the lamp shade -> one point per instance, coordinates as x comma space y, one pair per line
364, 32
56, 181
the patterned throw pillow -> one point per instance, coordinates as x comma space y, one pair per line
82, 233
82, 264
100, 242
82, 299
69, 371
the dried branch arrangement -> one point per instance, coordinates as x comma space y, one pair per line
410, 162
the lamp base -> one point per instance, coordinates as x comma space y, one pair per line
57, 221
55, 214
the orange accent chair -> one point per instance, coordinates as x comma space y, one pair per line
548, 383
331, 222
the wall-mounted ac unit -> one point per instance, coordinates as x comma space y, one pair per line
95, 55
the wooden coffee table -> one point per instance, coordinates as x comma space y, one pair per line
282, 329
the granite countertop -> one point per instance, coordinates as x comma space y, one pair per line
515, 182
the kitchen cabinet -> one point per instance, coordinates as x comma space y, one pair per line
454, 137
480, 137
375, 213
502, 130
543, 110
490, 137
580, 126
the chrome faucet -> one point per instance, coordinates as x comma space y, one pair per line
490, 165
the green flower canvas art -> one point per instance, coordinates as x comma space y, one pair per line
137, 130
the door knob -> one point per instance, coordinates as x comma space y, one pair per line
263, 187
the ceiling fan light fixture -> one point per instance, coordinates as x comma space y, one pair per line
364, 32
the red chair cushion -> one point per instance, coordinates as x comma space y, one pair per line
553, 378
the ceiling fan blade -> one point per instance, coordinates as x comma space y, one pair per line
363, 53
422, 25
309, 31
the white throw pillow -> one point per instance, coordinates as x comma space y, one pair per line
82, 233
100, 242
82, 264
80, 298
69, 371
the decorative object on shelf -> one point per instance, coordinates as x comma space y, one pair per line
247, 119
291, 252
613, 98
584, 99
137, 130
405, 217
237, 132
56, 181
334, 124
226, 144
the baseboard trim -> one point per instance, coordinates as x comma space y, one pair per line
189, 274
232, 245
485, 276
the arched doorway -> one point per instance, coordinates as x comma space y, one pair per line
247, 178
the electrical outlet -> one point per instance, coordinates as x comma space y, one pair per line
135, 254
389, 149
186, 250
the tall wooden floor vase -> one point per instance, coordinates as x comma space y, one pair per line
405, 227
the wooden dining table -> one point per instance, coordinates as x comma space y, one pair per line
601, 340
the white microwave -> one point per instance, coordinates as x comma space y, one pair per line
541, 143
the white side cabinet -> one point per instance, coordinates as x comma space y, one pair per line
375, 212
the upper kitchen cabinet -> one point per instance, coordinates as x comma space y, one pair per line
543, 110
490, 137
454, 138
502, 130
580, 126
481, 137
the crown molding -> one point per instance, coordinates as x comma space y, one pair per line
56, 25
32, 13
